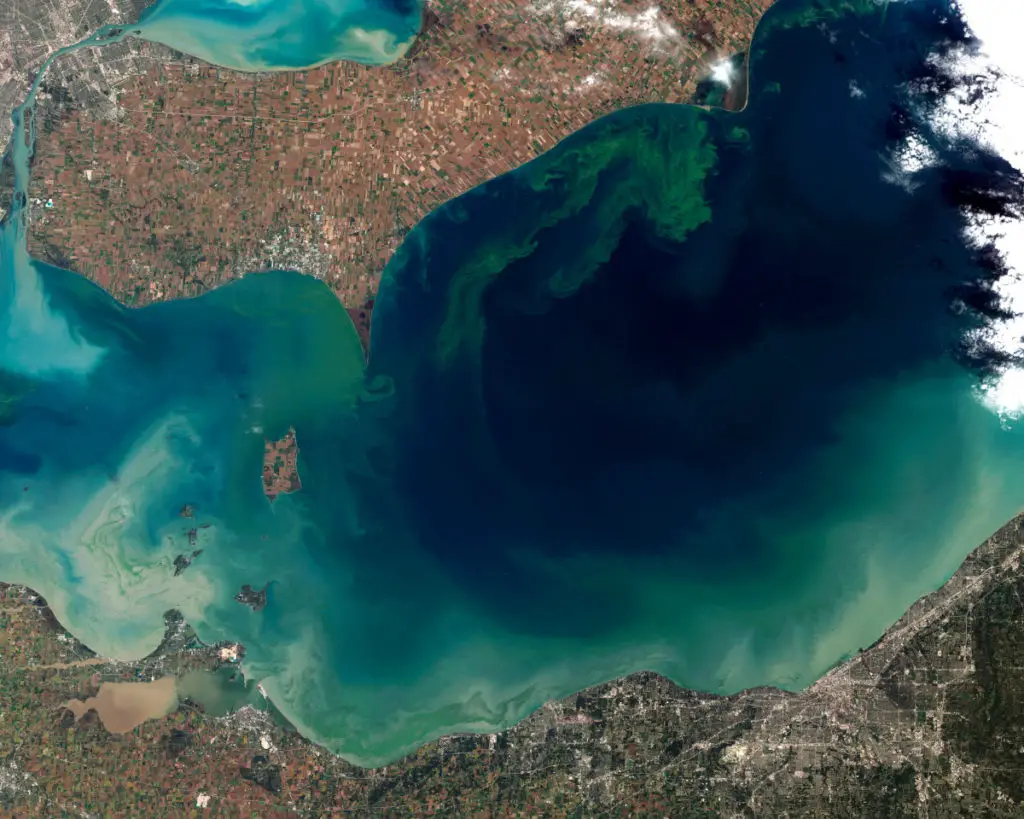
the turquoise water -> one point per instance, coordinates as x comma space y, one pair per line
275, 35
690, 392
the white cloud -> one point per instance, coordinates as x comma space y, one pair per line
991, 120
994, 121
723, 72
648, 24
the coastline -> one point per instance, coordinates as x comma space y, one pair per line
642, 712
630, 678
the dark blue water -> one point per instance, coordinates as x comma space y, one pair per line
695, 392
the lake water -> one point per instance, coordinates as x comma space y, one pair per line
718, 395
272, 35
123, 706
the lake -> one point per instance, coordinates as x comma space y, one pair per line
717, 395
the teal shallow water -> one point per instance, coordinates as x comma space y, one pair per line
276, 35
687, 393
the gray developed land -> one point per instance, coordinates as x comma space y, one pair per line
928, 722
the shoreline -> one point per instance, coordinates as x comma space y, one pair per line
996, 557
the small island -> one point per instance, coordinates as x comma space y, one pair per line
255, 599
182, 561
281, 466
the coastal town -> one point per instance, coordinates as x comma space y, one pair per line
927, 722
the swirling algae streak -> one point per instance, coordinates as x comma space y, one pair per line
533, 486
667, 168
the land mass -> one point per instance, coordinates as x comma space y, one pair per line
187, 175
927, 722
